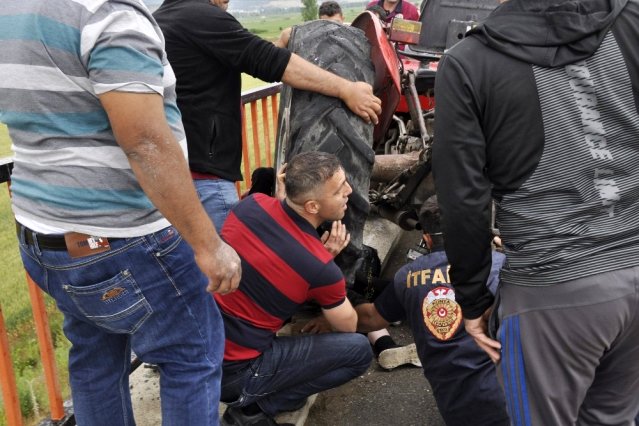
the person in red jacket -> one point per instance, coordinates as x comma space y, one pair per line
394, 8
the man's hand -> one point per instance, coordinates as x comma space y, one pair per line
280, 184
359, 98
317, 325
337, 239
222, 267
478, 328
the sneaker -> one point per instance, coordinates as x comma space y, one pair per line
233, 416
297, 417
394, 357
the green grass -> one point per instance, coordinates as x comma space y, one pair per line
16, 310
5, 142
269, 27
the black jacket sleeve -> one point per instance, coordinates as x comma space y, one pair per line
220, 35
463, 187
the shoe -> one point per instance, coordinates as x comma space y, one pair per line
394, 357
233, 416
299, 416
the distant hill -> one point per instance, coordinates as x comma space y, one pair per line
265, 7
234, 4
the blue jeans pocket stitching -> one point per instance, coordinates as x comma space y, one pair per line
116, 304
164, 251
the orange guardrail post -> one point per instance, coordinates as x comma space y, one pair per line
245, 156
8, 379
47, 354
266, 130
275, 111
252, 155
256, 138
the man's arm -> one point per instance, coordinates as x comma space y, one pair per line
140, 128
342, 318
224, 38
464, 196
358, 96
463, 187
368, 318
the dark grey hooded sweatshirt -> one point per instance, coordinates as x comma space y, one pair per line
538, 109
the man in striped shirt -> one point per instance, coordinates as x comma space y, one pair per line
100, 176
285, 264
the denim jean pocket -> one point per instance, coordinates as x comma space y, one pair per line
167, 240
116, 304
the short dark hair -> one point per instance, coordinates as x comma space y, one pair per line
429, 217
329, 8
307, 171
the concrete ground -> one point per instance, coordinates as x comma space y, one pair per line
398, 397
386, 398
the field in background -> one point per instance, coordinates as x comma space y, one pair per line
269, 27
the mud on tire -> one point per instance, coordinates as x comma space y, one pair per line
313, 122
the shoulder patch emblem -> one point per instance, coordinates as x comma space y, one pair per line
442, 314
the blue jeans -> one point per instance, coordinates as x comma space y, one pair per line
294, 368
218, 196
147, 295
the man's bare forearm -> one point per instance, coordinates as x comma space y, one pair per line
140, 128
304, 75
163, 174
342, 318
368, 318
358, 96
157, 160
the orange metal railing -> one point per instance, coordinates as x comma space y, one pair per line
8, 379
257, 152
47, 353
262, 143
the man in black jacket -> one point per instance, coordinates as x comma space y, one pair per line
537, 108
208, 50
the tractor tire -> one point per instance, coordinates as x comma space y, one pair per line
310, 121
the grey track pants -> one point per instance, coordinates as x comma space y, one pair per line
570, 352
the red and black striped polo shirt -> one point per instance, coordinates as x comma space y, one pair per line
284, 264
